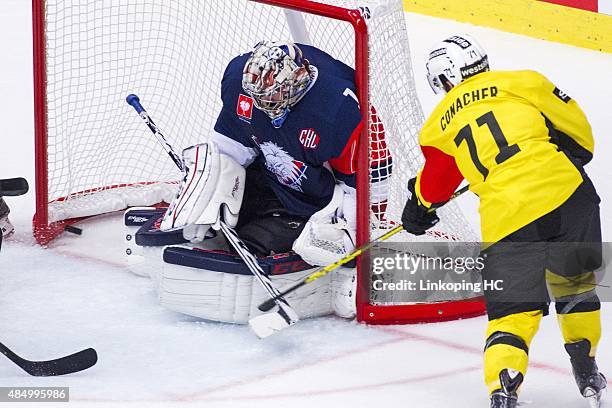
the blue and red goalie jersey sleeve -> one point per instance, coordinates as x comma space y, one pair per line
345, 165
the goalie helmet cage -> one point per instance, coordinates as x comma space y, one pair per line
94, 156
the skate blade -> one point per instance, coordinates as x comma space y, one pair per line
594, 402
594, 398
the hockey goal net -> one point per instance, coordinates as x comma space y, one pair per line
94, 156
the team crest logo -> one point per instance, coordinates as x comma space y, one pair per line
245, 107
288, 171
309, 138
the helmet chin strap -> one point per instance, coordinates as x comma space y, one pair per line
447, 85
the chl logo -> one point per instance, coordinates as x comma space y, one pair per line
245, 107
309, 138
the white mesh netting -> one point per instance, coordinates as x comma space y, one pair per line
172, 53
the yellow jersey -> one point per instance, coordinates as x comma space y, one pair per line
504, 131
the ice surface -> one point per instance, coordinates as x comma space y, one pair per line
76, 293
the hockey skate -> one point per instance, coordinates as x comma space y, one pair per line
590, 381
507, 395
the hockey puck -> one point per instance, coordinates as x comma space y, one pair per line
73, 230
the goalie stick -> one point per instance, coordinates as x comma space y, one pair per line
64, 365
269, 304
134, 101
262, 325
266, 324
13, 186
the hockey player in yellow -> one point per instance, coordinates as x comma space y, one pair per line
522, 144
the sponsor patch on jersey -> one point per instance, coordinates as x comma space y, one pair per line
562, 95
245, 107
309, 138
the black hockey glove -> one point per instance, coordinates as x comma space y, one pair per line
417, 218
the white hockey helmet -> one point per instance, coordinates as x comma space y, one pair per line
276, 76
454, 60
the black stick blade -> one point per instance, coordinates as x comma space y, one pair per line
13, 186
65, 365
267, 305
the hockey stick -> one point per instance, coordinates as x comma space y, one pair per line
263, 325
65, 365
13, 186
134, 101
266, 324
269, 304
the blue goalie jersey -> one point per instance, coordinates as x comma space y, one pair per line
316, 144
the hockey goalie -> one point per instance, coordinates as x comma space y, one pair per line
279, 167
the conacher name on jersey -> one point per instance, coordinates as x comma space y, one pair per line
464, 100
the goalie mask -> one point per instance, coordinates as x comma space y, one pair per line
277, 76
454, 60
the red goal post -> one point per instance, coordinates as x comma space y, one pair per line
46, 228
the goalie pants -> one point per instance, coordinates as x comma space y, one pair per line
264, 224
562, 249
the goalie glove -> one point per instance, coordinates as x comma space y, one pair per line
211, 190
329, 234
417, 218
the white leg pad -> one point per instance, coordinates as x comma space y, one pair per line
234, 298
344, 287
